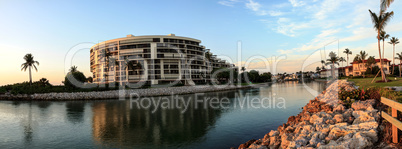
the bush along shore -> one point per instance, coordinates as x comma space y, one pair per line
115, 94
330, 122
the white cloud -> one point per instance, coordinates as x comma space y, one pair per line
229, 3
256, 7
275, 13
297, 3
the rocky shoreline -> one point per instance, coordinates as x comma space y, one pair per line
326, 123
115, 94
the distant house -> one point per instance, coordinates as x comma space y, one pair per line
360, 68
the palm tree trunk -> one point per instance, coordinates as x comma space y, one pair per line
400, 63
383, 48
347, 56
393, 60
379, 52
333, 70
30, 76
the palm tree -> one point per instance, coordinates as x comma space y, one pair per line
383, 36
393, 41
243, 69
385, 4
322, 63
347, 52
317, 69
379, 24
399, 56
73, 69
115, 63
29, 63
370, 62
106, 55
127, 64
362, 58
333, 59
341, 59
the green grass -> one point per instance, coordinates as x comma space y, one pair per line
366, 82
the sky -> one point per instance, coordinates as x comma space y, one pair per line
276, 36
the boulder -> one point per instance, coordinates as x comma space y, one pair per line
363, 105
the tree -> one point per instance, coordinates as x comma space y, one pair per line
115, 63
265, 77
254, 76
243, 69
385, 4
128, 64
341, 59
90, 80
347, 52
105, 53
317, 69
322, 63
362, 58
333, 59
383, 36
208, 55
44, 82
399, 56
79, 76
393, 41
29, 63
73, 69
379, 23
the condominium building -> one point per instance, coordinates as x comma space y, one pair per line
154, 59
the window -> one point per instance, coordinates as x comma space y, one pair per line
156, 40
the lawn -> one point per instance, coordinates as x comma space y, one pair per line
366, 82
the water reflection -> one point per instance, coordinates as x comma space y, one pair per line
116, 125
75, 111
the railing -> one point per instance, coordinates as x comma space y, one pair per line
396, 124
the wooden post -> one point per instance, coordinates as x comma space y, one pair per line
394, 128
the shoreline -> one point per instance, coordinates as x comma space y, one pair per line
326, 123
116, 94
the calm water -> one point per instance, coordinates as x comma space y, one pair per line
113, 124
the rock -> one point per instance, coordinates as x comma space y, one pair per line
247, 144
363, 116
339, 108
273, 133
363, 105
338, 118
359, 141
256, 146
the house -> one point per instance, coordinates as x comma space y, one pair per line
360, 67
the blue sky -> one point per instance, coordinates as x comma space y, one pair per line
294, 28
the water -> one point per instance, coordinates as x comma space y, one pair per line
113, 124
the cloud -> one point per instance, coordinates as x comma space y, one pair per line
229, 3
256, 7
275, 13
297, 3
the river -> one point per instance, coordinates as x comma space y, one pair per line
246, 114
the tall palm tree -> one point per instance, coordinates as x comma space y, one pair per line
73, 69
105, 53
362, 56
385, 4
341, 59
393, 41
399, 56
317, 69
380, 21
347, 52
383, 36
127, 64
29, 63
243, 69
333, 59
115, 63
322, 63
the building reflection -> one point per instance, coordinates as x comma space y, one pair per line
116, 125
